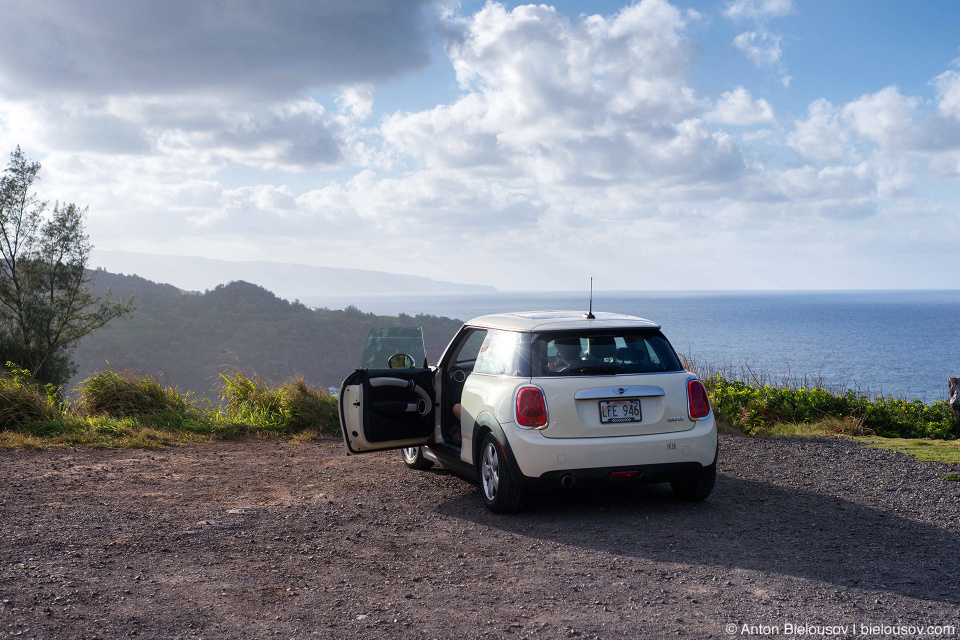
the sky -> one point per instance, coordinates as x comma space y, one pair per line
748, 144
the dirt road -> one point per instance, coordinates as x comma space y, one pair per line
278, 539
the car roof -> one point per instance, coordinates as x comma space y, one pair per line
560, 320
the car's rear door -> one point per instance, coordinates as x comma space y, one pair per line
611, 382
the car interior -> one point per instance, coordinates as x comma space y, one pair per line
455, 372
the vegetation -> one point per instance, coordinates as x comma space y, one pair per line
923, 449
133, 409
293, 407
190, 336
46, 306
754, 404
755, 410
24, 403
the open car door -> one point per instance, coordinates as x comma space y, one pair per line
391, 406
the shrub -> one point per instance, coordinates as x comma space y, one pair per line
130, 394
249, 399
754, 408
293, 407
307, 407
25, 403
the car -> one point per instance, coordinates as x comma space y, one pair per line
538, 400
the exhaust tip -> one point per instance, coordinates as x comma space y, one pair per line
568, 481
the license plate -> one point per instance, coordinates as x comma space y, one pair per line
626, 410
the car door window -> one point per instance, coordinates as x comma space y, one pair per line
467, 351
499, 354
382, 343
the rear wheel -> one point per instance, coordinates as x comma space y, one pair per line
413, 458
500, 492
696, 485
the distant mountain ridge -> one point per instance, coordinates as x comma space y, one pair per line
305, 283
192, 337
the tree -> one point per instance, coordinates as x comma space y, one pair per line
45, 304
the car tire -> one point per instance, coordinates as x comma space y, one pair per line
695, 486
497, 486
413, 458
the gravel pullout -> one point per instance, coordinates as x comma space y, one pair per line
278, 539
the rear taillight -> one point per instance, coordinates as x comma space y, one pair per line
697, 399
531, 408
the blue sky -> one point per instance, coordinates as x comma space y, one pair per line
749, 144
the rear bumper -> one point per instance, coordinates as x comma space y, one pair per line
539, 460
584, 478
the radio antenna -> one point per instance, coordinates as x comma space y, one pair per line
589, 314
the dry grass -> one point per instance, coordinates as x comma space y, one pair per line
23, 404
292, 407
133, 409
746, 373
129, 393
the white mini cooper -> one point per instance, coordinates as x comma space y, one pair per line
539, 400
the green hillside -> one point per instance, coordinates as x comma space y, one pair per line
192, 337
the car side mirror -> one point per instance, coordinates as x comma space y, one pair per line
401, 361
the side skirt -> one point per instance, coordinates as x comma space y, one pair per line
449, 457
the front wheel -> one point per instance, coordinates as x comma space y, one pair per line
696, 485
500, 491
413, 458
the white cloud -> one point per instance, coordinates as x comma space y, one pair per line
758, 9
356, 101
760, 47
592, 101
739, 108
885, 117
823, 136
293, 135
561, 129
948, 94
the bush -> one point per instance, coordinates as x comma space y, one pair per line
25, 403
754, 408
308, 407
293, 407
129, 394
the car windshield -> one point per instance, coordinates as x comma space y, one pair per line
383, 343
602, 353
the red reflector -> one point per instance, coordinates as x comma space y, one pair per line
531, 407
698, 401
619, 475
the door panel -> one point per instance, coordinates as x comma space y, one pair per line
387, 409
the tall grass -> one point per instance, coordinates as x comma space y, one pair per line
24, 403
292, 407
754, 403
132, 408
130, 393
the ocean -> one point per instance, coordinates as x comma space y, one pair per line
899, 343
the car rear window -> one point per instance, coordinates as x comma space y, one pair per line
601, 353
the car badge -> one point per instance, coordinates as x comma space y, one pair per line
621, 391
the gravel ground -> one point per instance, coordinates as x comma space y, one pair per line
279, 539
